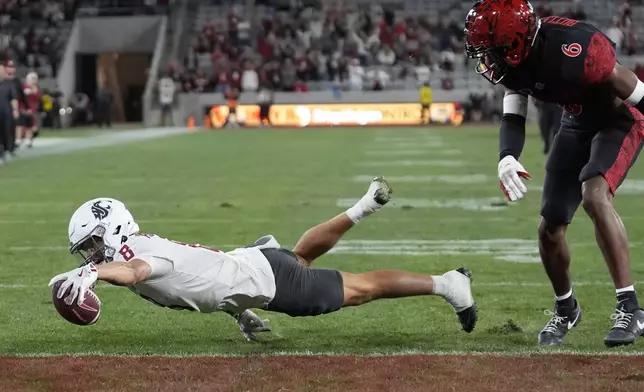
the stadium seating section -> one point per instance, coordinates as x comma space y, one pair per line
351, 44
35, 32
355, 44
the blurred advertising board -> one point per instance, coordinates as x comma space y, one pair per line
320, 115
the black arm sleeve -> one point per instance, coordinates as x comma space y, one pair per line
11, 92
512, 135
20, 94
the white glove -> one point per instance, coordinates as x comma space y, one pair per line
249, 324
510, 173
80, 279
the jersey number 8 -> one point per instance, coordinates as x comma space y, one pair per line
128, 253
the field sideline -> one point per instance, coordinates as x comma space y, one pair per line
227, 188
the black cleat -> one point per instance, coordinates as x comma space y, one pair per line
467, 312
628, 327
563, 319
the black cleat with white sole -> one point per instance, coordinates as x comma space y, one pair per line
629, 325
563, 320
468, 317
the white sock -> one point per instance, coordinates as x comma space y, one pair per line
355, 213
625, 289
565, 296
364, 207
440, 285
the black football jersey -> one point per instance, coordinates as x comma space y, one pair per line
569, 64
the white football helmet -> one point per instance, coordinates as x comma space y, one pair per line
98, 228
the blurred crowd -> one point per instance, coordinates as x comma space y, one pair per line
29, 32
292, 46
297, 47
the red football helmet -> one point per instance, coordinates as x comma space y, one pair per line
500, 33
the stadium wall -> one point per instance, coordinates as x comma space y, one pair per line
66, 78
98, 35
154, 67
133, 34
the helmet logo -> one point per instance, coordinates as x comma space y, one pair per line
101, 212
572, 50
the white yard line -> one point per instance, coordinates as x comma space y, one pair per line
466, 179
383, 153
500, 249
408, 139
489, 204
628, 187
412, 145
413, 162
66, 145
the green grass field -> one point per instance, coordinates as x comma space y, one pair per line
228, 188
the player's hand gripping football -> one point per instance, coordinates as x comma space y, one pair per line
79, 279
250, 324
510, 174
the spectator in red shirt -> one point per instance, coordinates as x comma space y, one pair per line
300, 87
411, 41
302, 65
266, 45
234, 77
222, 79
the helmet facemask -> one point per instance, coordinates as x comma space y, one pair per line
491, 63
92, 248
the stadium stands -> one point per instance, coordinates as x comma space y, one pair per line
352, 43
312, 46
35, 32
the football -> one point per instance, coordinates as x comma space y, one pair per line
86, 314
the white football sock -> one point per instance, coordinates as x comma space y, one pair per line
565, 296
364, 207
625, 289
440, 285
355, 213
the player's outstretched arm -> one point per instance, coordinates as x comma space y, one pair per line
511, 142
82, 278
627, 87
124, 274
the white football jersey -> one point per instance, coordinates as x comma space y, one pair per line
198, 278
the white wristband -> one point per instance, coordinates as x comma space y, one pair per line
637, 94
515, 104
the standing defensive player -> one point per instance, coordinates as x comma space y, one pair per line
262, 275
571, 63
